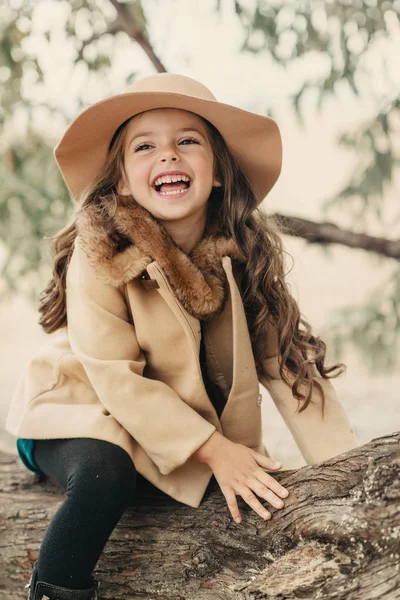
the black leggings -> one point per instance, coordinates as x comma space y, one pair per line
100, 481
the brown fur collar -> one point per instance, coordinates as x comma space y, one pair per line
120, 246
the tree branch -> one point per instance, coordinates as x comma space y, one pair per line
329, 233
337, 537
136, 32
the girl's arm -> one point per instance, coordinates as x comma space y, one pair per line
241, 471
318, 437
104, 341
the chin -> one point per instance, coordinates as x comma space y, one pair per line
173, 215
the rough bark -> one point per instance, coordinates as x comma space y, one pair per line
338, 536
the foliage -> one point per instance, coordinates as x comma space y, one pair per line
342, 37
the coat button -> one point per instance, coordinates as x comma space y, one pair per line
259, 399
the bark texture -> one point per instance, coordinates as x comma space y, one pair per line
338, 536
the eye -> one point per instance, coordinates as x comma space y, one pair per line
191, 139
141, 146
188, 139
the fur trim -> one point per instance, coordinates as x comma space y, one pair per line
122, 238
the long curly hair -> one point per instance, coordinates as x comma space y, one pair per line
265, 293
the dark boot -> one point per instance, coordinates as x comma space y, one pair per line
39, 590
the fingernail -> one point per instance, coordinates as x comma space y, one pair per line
238, 519
277, 463
265, 515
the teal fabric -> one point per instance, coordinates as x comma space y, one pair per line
25, 448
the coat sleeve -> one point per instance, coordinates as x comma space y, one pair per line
104, 341
317, 436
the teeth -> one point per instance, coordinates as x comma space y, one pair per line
171, 179
173, 192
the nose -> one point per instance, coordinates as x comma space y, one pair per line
168, 153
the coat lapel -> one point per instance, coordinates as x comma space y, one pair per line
189, 323
227, 341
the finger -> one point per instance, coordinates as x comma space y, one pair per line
272, 484
252, 501
263, 491
267, 462
231, 501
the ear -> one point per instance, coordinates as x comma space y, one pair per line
216, 183
122, 187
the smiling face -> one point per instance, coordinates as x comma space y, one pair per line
160, 141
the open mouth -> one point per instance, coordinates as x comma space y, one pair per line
175, 189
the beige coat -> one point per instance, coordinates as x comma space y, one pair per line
126, 367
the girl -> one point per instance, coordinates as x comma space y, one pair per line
168, 306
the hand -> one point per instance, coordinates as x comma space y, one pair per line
241, 471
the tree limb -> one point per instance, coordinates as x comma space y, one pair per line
329, 233
136, 32
338, 536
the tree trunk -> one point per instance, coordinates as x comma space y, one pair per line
338, 536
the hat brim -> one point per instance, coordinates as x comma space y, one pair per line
253, 139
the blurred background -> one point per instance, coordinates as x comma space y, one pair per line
326, 71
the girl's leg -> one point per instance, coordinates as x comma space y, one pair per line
100, 481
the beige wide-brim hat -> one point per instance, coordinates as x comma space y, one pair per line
253, 139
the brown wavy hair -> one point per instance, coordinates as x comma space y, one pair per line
268, 303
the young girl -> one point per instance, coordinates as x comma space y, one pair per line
167, 308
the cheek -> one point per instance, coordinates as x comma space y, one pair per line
205, 167
138, 174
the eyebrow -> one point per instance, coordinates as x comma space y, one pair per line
144, 133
